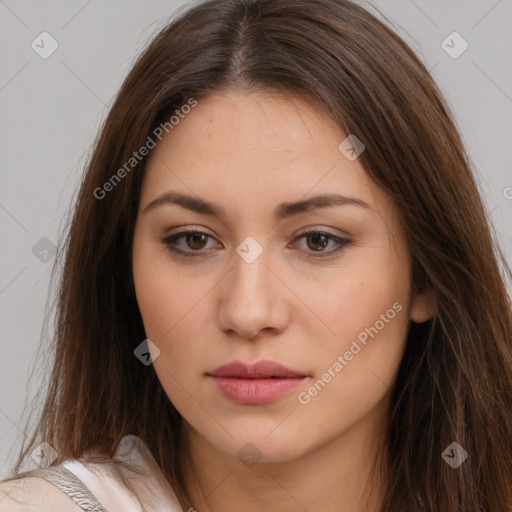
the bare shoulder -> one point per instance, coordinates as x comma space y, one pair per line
33, 494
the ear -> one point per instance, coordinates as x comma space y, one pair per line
422, 307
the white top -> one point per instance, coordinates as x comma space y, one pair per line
34, 494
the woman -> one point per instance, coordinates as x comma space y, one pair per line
280, 289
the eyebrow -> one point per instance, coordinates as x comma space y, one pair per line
282, 210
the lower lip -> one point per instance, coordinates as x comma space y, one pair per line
255, 391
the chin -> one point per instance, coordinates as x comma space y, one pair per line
261, 448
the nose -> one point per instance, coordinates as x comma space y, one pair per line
252, 299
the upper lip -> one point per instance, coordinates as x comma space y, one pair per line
259, 370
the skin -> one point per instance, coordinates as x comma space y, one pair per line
248, 152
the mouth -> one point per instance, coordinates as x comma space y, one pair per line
255, 384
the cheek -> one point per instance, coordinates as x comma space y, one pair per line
366, 301
367, 310
165, 296
172, 306
354, 370
357, 294
170, 316
169, 310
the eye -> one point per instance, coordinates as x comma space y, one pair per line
319, 240
195, 241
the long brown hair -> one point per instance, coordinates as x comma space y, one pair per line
455, 380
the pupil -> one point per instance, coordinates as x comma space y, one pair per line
316, 237
196, 238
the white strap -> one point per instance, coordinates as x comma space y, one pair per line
72, 486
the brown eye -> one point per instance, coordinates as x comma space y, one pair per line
196, 241
318, 241
187, 243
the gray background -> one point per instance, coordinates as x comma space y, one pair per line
51, 110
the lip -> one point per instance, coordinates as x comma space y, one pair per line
255, 383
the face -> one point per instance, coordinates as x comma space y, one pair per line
323, 290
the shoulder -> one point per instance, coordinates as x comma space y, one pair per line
103, 483
33, 494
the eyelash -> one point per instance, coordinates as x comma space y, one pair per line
170, 241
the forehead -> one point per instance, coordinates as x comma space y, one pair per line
243, 121
250, 149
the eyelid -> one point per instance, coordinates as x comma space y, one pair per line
185, 229
324, 230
